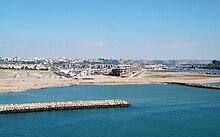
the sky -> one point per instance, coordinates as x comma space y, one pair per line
133, 29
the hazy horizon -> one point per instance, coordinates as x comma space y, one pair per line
143, 29
108, 58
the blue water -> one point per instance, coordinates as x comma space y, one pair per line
216, 83
217, 72
156, 111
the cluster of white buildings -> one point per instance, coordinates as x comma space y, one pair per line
24, 67
155, 67
69, 67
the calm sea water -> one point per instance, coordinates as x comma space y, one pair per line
217, 72
217, 83
156, 111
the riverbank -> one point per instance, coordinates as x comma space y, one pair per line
24, 84
37, 80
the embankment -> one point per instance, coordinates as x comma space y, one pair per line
49, 106
196, 85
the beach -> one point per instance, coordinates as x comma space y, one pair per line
21, 80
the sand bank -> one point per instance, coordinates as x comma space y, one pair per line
49, 80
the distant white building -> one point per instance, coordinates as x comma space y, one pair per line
155, 67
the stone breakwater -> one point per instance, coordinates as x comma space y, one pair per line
49, 106
196, 85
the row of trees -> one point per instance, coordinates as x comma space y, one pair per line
214, 65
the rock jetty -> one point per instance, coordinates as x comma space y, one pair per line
196, 85
49, 106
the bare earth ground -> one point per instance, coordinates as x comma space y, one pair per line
21, 80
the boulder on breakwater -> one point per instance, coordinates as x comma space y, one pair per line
48, 106
198, 85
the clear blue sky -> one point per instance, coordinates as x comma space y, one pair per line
136, 29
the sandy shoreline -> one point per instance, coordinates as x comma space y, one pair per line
49, 80
19, 85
